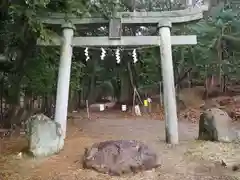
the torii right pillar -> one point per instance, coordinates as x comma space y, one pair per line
170, 108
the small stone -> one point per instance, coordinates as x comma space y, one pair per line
236, 167
19, 155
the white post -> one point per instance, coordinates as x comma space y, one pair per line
189, 3
64, 77
171, 120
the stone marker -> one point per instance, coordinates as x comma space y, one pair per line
214, 125
44, 136
120, 157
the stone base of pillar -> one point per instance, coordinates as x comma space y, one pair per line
44, 136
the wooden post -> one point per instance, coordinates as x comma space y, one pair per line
64, 77
189, 81
171, 120
88, 112
161, 95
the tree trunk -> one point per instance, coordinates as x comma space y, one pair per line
73, 101
14, 90
92, 95
92, 89
125, 96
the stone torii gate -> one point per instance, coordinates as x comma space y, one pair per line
163, 20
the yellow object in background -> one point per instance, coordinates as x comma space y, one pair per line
145, 102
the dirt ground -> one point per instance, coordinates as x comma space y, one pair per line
190, 160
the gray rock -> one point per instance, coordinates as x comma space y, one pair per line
120, 157
214, 125
44, 136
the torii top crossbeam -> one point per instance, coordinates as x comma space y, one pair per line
142, 18
178, 16
135, 18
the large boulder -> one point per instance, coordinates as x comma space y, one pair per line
214, 125
120, 157
44, 136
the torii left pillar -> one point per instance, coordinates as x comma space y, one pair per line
64, 77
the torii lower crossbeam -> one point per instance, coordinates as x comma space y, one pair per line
124, 41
